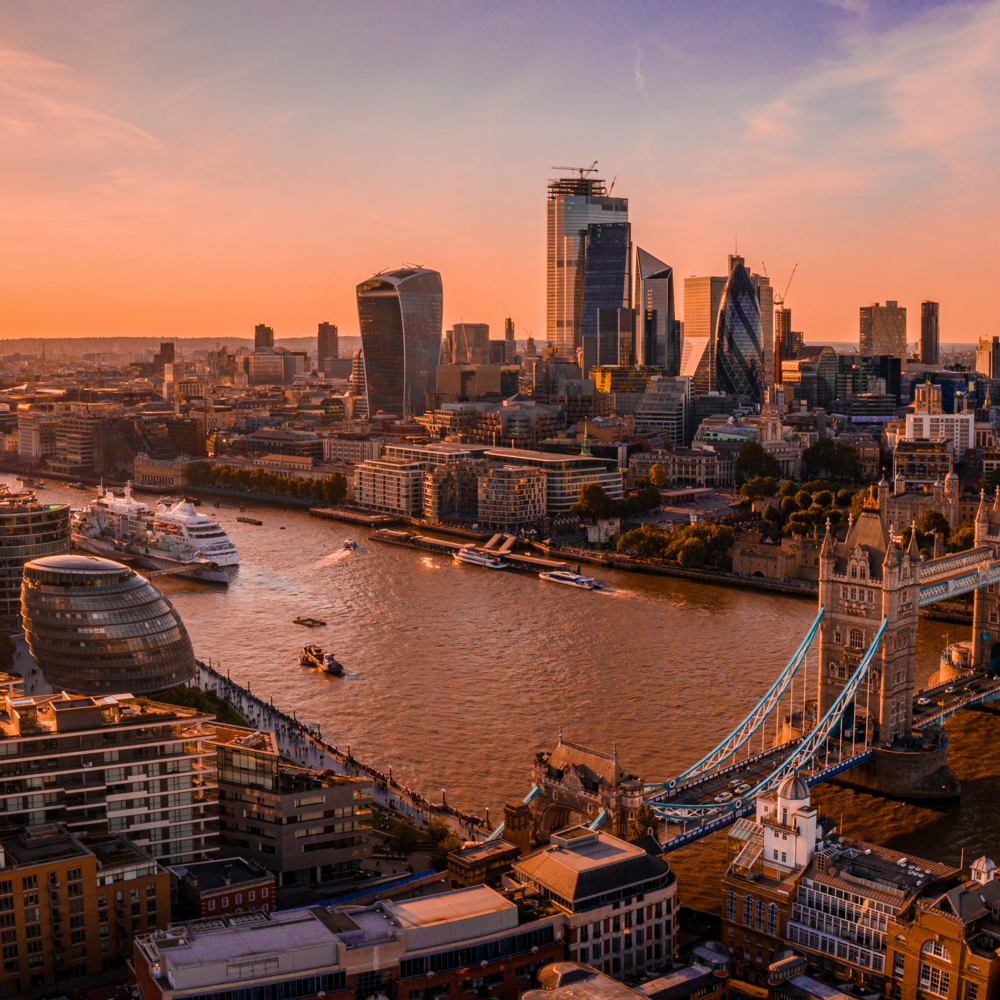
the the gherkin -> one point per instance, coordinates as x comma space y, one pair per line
739, 360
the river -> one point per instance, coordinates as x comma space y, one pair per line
457, 676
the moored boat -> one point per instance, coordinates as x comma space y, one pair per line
472, 556
568, 579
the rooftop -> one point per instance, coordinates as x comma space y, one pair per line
221, 873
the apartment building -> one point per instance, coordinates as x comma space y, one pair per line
108, 765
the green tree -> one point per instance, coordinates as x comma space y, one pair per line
336, 487
759, 488
439, 856
837, 459
772, 515
824, 498
592, 502
844, 498
198, 473
7, 651
864, 497
788, 488
933, 520
803, 499
645, 820
962, 537
754, 461
789, 506
405, 839
657, 475
692, 553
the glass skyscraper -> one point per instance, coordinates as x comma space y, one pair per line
573, 204
607, 275
657, 334
400, 317
739, 357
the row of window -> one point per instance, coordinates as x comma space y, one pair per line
238, 897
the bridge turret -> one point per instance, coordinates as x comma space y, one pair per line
883, 497
913, 549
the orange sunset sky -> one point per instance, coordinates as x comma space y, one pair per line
190, 169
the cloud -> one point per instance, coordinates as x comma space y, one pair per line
640, 80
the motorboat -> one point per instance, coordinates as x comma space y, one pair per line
350, 545
568, 579
472, 556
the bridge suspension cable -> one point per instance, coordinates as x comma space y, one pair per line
802, 755
745, 731
498, 832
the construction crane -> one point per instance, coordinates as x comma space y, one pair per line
582, 171
779, 300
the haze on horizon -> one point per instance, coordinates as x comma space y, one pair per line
192, 169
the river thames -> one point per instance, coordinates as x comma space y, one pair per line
458, 676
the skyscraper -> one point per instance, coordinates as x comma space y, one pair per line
263, 336
765, 300
657, 333
400, 317
573, 204
607, 272
787, 342
702, 297
929, 333
471, 343
883, 330
326, 345
739, 359
510, 346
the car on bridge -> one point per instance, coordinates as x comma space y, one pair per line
723, 796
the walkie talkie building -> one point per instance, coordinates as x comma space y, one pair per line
400, 317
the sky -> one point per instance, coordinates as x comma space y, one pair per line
193, 168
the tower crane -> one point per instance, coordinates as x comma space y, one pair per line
582, 171
779, 300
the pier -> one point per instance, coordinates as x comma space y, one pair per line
515, 560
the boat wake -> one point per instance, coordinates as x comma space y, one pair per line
339, 555
430, 563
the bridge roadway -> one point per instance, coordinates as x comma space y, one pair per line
933, 706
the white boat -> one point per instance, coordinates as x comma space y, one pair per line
170, 538
472, 556
568, 579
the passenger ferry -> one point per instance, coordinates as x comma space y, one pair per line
176, 538
472, 556
568, 579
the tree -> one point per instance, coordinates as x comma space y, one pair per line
933, 520
788, 488
759, 488
692, 553
444, 847
336, 487
657, 475
7, 651
962, 537
844, 498
754, 461
803, 499
645, 820
789, 506
772, 515
405, 838
198, 473
838, 459
592, 502
861, 499
824, 498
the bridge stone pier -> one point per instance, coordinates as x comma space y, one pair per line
575, 784
986, 613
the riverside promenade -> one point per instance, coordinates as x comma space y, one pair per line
305, 745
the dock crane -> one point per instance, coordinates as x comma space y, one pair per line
582, 171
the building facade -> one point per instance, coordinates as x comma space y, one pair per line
702, 298
400, 317
326, 345
657, 333
573, 203
883, 330
510, 497
930, 333
223, 886
739, 356
146, 770
390, 485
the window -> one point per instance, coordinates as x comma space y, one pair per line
772, 918
584, 952
776, 854
239, 898
898, 963
211, 904
933, 979
263, 893
748, 909
759, 922
936, 949
584, 933
225, 900
971, 991
730, 904
857, 638
252, 896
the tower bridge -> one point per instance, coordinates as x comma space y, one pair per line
845, 709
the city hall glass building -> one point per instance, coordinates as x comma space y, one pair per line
739, 357
95, 627
400, 317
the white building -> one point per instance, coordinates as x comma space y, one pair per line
959, 429
390, 485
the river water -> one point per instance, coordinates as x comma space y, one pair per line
457, 676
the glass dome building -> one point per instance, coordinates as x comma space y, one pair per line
95, 626
739, 357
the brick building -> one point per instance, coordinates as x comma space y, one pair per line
222, 886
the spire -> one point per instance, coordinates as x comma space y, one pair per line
996, 502
827, 549
981, 513
913, 549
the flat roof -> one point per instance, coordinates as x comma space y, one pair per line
459, 904
545, 457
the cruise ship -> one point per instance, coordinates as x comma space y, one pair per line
174, 537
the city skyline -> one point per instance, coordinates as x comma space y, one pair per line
166, 189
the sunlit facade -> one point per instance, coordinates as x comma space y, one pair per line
739, 358
400, 317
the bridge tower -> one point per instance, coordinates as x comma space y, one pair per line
861, 580
986, 615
